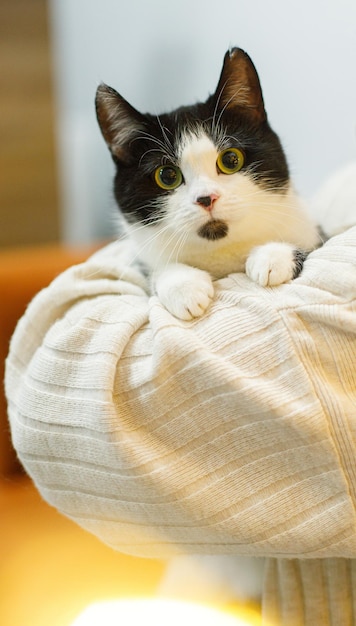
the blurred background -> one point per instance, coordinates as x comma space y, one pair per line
55, 169
55, 197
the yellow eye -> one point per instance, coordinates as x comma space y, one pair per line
168, 177
230, 161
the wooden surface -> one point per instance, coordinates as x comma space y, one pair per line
50, 569
28, 186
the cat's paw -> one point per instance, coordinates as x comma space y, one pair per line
185, 291
273, 264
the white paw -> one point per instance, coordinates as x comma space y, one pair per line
271, 264
185, 291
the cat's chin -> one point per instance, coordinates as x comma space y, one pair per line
213, 230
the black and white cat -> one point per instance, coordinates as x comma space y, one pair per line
205, 190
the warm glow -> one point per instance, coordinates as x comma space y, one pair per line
155, 613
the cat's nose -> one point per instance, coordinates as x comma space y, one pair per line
207, 202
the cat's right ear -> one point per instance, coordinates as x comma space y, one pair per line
239, 87
118, 120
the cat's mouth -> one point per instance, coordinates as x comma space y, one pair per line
213, 230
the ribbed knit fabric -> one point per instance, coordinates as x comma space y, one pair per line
314, 591
234, 433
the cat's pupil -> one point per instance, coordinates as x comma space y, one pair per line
230, 160
168, 176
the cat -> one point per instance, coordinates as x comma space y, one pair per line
205, 190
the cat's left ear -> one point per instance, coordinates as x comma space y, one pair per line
118, 120
239, 86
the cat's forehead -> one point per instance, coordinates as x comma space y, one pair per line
195, 148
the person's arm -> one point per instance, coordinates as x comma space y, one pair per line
233, 433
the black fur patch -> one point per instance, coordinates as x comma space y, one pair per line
213, 230
299, 258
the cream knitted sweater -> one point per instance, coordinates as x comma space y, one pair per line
234, 433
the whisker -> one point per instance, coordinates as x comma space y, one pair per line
138, 256
148, 152
167, 141
183, 239
179, 246
168, 243
215, 123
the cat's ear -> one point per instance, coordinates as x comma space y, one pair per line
239, 86
118, 120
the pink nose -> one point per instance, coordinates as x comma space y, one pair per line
207, 202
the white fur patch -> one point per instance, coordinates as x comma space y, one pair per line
185, 291
271, 264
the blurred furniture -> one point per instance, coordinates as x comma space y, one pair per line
29, 197
23, 272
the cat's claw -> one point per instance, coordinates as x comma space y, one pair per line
186, 292
271, 264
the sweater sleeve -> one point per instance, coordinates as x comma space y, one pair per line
233, 433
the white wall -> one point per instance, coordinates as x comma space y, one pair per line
161, 54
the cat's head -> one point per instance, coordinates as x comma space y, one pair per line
202, 174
